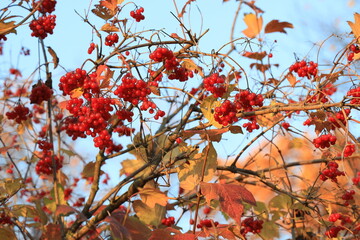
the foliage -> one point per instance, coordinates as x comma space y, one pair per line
157, 102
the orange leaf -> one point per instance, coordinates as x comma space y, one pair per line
109, 4
77, 92
254, 25
355, 27
255, 55
276, 26
107, 27
292, 79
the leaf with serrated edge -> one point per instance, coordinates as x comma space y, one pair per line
148, 215
355, 26
230, 196
254, 25
276, 26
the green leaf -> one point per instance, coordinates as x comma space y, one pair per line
207, 108
148, 215
9, 187
269, 230
280, 202
24, 211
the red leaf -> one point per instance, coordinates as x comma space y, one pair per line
230, 196
276, 26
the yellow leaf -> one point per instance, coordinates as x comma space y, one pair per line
254, 25
153, 196
355, 26
77, 92
8, 27
107, 27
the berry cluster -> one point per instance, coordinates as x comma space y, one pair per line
79, 202
168, 221
353, 50
138, 14
304, 69
132, 90
45, 163
246, 100
207, 223
5, 219
215, 84
3, 37
43, 26
252, 125
333, 231
91, 48
171, 64
339, 118
251, 225
324, 141
355, 94
72, 80
19, 114
111, 39
226, 113
331, 172
46, 6
40, 93
338, 216
348, 196
349, 150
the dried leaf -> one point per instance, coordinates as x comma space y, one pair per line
23, 210
255, 55
254, 25
212, 134
230, 197
51, 232
107, 27
110, 4
155, 90
183, 11
54, 56
148, 215
62, 105
355, 26
235, 129
64, 210
207, 107
276, 26
292, 79
7, 27
190, 65
104, 74
7, 233
131, 165
103, 12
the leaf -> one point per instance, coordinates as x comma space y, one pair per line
88, 170
153, 196
107, 27
54, 56
230, 196
207, 107
190, 65
117, 230
148, 215
62, 105
23, 210
8, 27
355, 26
292, 79
190, 173
270, 230
131, 165
255, 55
276, 26
103, 12
64, 210
9, 187
212, 134
155, 90
280, 202
51, 232
254, 25
104, 74
262, 67
235, 129
110, 4
77, 92
7, 233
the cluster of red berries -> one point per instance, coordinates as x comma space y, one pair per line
353, 50
333, 231
43, 26
215, 84
40, 93
329, 89
349, 150
5, 219
317, 97
3, 37
138, 14
46, 6
124, 114
252, 125
19, 113
355, 94
171, 64
111, 39
348, 196
79, 202
304, 69
324, 141
356, 180
124, 130
246, 100
91, 48
168, 221
226, 113
331, 172
91, 86
45, 163
251, 225
338, 216
72, 80
132, 90
67, 193
207, 223
339, 118
285, 125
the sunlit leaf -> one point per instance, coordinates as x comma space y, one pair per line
355, 26
7, 233
153, 196
207, 108
54, 56
107, 27
255, 55
254, 25
149, 215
